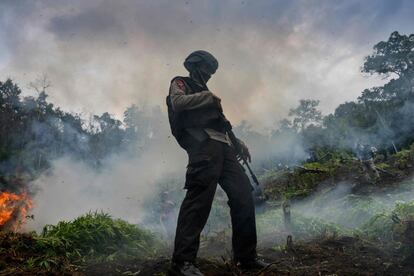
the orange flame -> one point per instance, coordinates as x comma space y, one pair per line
13, 210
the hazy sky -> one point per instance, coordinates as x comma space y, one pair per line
105, 55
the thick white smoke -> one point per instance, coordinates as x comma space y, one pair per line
120, 187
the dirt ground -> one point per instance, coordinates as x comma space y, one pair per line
330, 256
323, 256
18, 250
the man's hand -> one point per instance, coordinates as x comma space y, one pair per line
244, 154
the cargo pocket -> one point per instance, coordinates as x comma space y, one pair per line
200, 172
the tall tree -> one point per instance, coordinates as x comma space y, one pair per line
305, 114
393, 58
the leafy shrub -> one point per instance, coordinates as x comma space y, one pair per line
392, 228
97, 236
303, 228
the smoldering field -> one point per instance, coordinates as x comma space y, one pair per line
131, 186
128, 184
120, 186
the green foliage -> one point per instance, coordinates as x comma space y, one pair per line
333, 167
300, 182
97, 236
349, 210
312, 227
37, 131
303, 227
403, 159
20, 252
296, 184
380, 117
61, 248
304, 115
392, 228
392, 56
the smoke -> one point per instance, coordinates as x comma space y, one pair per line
101, 56
269, 150
332, 210
340, 205
120, 187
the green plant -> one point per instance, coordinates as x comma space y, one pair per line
96, 236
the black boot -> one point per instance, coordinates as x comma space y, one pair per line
254, 264
184, 269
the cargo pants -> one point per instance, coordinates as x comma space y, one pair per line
210, 163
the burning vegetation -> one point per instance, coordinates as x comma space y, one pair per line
14, 209
15, 203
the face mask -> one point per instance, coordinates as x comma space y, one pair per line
200, 76
206, 76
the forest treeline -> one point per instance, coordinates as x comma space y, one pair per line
35, 131
381, 117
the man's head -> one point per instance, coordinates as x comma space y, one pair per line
201, 65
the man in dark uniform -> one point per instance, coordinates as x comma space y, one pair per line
197, 121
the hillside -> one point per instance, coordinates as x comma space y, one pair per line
379, 239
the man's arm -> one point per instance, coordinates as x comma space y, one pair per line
181, 101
